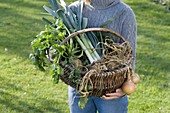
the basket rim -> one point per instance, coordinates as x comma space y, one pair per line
92, 29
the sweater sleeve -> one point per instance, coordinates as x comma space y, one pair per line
129, 32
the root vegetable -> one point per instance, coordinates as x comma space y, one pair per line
128, 87
135, 78
78, 63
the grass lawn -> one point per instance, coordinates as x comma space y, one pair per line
23, 89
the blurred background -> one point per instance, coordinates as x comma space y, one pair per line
24, 89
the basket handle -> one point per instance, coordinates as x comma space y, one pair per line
92, 29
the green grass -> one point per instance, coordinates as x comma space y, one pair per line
24, 89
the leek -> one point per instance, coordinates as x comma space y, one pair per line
74, 23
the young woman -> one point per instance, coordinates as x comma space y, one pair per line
121, 20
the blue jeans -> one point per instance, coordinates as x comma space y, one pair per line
95, 104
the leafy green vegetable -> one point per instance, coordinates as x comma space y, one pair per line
49, 40
82, 102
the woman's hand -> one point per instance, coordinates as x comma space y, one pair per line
110, 96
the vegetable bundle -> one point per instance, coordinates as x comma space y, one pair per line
49, 54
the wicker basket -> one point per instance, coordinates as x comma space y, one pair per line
100, 82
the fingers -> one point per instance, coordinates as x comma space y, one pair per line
114, 94
120, 92
110, 96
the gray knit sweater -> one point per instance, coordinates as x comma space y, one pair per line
121, 15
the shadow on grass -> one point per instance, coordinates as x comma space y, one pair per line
18, 100
8, 85
14, 103
157, 55
152, 65
17, 28
22, 106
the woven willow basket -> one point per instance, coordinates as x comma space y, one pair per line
101, 82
